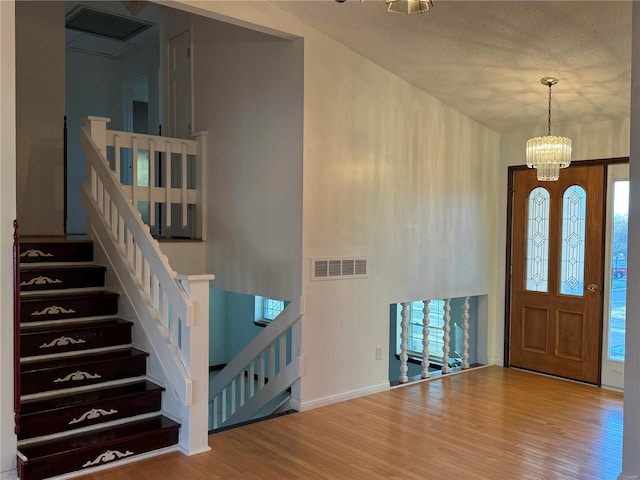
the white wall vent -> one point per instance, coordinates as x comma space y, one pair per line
338, 268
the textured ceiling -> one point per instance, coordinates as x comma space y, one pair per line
486, 59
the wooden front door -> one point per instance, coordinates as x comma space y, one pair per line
557, 273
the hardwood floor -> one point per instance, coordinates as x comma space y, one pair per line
489, 423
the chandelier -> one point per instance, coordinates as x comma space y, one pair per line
548, 154
408, 6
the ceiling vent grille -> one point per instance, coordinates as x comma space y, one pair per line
338, 268
105, 24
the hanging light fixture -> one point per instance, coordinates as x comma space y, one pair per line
548, 154
408, 6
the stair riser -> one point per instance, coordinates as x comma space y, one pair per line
81, 375
96, 455
88, 414
61, 342
56, 252
33, 280
53, 309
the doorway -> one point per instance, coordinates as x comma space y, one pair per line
615, 293
557, 268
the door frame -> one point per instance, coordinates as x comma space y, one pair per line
509, 233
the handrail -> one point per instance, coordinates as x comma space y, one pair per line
16, 325
169, 304
172, 310
277, 362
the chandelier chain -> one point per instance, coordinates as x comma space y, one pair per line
549, 118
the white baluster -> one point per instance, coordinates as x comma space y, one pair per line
116, 160
272, 361
446, 337
234, 385
216, 404
134, 172
243, 380
261, 368
183, 194
465, 333
282, 361
404, 345
425, 340
251, 379
168, 185
152, 183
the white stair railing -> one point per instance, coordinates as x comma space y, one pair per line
163, 301
180, 158
441, 328
262, 370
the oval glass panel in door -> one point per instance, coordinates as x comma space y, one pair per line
574, 208
537, 271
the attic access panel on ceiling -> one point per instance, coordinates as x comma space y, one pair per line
106, 24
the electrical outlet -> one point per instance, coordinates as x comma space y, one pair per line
378, 353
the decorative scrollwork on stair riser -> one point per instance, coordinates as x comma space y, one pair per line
93, 414
40, 281
35, 253
53, 310
108, 456
78, 375
61, 342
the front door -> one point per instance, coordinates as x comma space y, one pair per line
557, 273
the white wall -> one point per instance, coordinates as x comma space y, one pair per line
95, 85
7, 214
92, 88
40, 114
248, 88
395, 175
592, 141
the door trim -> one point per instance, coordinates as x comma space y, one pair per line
509, 233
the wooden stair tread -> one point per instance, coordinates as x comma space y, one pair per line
93, 438
29, 329
37, 297
53, 267
81, 359
98, 394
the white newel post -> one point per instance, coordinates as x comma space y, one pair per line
201, 187
404, 345
425, 339
195, 351
97, 127
465, 333
446, 337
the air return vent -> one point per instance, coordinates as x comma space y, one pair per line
338, 268
105, 24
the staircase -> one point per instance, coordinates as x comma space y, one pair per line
85, 401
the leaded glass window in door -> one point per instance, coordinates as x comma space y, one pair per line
537, 271
574, 208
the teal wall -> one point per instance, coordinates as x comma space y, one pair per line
217, 327
231, 324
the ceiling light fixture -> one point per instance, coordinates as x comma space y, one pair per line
135, 7
548, 154
408, 6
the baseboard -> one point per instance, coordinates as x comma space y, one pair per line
195, 452
312, 403
9, 475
